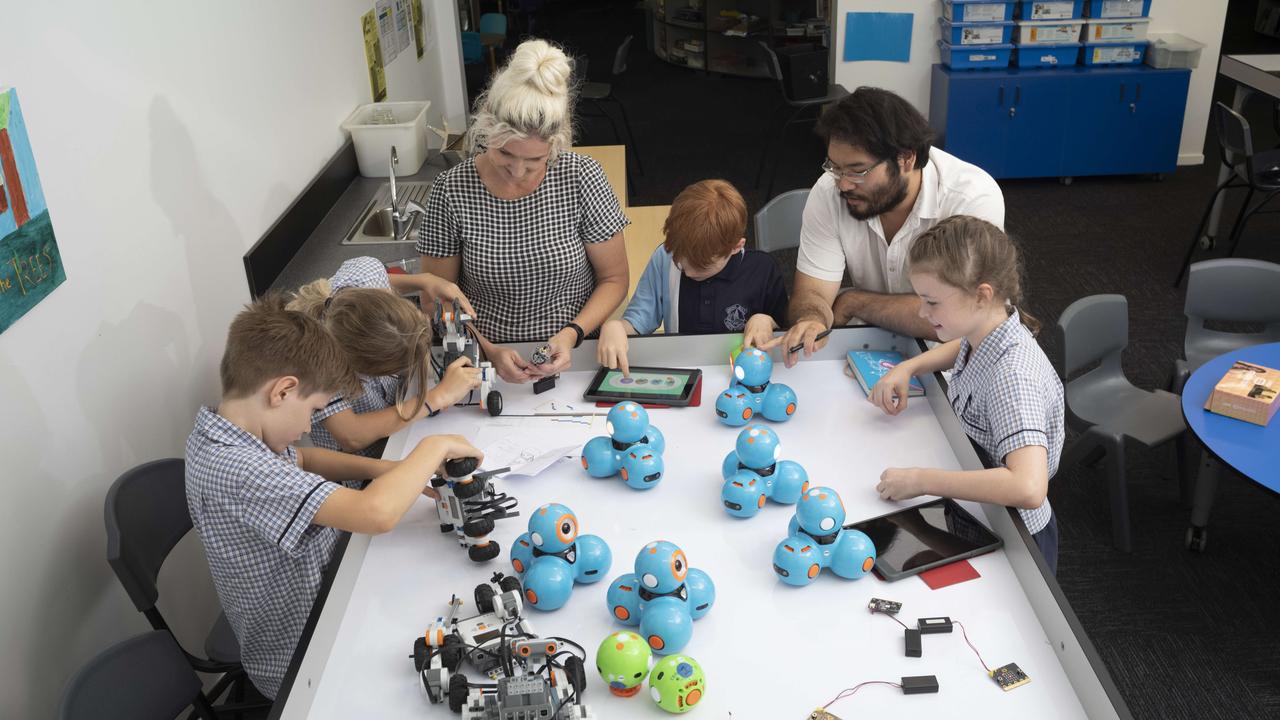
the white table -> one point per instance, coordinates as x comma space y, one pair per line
769, 650
1252, 73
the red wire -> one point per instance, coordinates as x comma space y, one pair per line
971, 647
849, 691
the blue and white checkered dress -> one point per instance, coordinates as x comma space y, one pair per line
379, 392
1007, 396
252, 509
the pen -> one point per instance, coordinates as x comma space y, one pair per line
800, 347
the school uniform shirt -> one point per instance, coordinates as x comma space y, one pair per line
524, 261
1007, 396
253, 511
832, 240
750, 283
379, 392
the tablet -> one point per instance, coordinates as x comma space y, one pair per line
915, 539
662, 386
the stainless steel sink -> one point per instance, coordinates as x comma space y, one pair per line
375, 226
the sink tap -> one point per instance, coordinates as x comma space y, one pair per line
402, 218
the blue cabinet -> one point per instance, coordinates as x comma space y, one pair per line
1061, 123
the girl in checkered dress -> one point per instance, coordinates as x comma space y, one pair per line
387, 340
531, 231
1003, 388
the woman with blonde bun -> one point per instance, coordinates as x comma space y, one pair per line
531, 232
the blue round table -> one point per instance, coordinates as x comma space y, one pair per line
1251, 450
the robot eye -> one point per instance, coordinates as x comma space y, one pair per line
679, 565
638, 675
567, 528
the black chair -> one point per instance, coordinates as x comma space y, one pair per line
596, 93
798, 107
146, 515
1259, 172
143, 678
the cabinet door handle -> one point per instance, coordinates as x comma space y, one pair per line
1133, 108
1017, 94
1013, 111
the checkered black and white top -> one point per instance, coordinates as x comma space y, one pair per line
524, 261
252, 509
1007, 396
379, 392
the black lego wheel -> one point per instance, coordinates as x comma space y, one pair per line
453, 651
477, 528
1197, 538
509, 583
437, 481
484, 598
468, 489
458, 689
484, 553
493, 403
577, 674
446, 528
420, 654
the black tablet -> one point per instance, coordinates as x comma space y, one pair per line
915, 539
662, 386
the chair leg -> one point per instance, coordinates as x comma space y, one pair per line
777, 156
1240, 216
1195, 240
1086, 450
631, 137
612, 126
1205, 490
1238, 231
1118, 486
203, 709
1182, 445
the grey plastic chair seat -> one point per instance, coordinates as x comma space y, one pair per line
221, 645
778, 223
1106, 407
595, 90
145, 677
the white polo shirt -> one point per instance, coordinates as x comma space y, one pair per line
831, 239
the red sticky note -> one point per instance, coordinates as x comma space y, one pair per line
956, 572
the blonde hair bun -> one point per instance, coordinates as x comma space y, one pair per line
541, 66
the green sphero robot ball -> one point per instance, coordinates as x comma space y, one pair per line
677, 683
623, 662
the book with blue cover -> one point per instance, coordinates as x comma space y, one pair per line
868, 366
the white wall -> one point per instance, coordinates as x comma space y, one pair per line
1199, 19
168, 137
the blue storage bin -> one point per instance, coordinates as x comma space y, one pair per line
1127, 53
976, 33
1051, 9
977, 10
1118, 8
975, 57
1046, 56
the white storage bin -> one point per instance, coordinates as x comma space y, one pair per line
1101, 31
1049, 32
1173, 51
377, 127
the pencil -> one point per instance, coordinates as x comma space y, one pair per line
800, 347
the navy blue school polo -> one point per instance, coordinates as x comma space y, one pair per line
750, 283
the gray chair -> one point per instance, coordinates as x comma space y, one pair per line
1259, 172
798, 107
1106, 407
1227, 290
778, 223
146, 515
143, 678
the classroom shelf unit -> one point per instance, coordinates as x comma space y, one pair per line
707, 35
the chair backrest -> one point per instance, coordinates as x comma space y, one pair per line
620, 57
472, 48
1093, 329
493, 24
146, 515
772, 66
778, 222
145, 677
1235, 138
1230, 290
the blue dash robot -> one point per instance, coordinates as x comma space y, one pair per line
633, 448
751, 395
663, 596
817, 539
552, 556
753, 473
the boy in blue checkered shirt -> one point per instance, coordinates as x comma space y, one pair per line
267, 513
1003, 388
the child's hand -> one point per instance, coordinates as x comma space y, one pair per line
510, 365
890, 391
453, 446
445, 292
460, 378
899, 484
759, 332
611, 350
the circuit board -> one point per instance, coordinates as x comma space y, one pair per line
820, 714
888, 607
1009, 677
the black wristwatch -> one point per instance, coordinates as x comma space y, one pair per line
577, 329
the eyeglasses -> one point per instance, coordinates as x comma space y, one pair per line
856, 177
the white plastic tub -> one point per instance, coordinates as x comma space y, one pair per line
1173, 51
1102, 31
1049, 32
377, 127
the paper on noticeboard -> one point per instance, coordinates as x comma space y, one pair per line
373, 57
403, 16
386, 14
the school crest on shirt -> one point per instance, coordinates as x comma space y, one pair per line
735, 317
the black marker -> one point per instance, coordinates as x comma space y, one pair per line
800, 347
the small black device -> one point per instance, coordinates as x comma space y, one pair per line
919, 684
915, 539
911, 642
934, 625
662, 386
545, 384
888, 607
